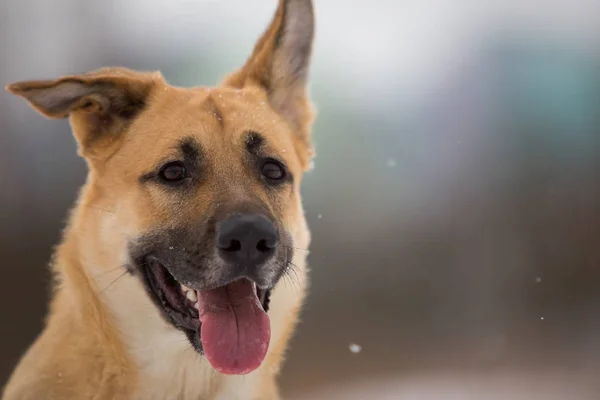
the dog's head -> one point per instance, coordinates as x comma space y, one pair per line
202, 184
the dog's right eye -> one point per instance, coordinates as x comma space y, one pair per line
173, 172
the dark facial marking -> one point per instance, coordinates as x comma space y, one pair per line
254, 143
188, 253
191, 151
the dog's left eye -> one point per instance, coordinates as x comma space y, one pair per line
173, 172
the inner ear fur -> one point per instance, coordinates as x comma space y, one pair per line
99, 104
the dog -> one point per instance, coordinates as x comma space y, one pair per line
170, 280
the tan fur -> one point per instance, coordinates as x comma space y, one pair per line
104, 338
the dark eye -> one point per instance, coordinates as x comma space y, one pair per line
273, 170
173, 172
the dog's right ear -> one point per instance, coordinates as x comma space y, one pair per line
99, 104
279, 65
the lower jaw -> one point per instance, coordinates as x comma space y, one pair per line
212, 325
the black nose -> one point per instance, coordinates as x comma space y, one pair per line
247, 239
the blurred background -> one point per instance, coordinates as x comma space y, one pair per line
455, 202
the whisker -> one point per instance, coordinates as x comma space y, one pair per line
113, 282
297, 248
293, 267
295, 270
288, 280
126, 266
289, 265
111, 270
294, 280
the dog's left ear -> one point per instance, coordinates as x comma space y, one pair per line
279, 64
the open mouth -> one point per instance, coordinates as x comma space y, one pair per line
229, 324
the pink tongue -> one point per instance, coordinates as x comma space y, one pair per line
235, 330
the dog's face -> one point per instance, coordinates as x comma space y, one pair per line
213, 200
203, 184
215, 185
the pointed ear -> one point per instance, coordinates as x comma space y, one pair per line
279, 63
100, 104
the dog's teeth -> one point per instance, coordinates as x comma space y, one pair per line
191, 295
185, 288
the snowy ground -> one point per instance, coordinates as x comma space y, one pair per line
516, 386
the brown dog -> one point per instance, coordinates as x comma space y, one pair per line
169, 278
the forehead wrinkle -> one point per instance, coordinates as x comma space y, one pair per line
197, 117
210, 106
240, 107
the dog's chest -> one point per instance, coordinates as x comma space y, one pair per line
171, 369
174, 371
